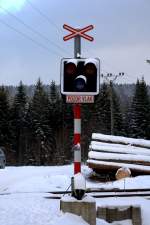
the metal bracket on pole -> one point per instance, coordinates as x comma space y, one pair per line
72, 186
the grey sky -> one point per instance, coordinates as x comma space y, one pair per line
121, 38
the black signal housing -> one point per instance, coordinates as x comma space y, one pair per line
80, 76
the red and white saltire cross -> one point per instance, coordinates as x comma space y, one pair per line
78, 32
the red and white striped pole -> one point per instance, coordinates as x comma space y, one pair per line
77, 117
77, 138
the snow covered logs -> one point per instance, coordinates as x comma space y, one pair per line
108, 153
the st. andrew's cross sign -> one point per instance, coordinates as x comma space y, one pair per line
78, 32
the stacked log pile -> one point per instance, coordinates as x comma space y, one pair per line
108, 153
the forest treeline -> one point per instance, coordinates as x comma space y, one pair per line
36, 128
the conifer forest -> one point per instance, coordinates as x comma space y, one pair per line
36, 125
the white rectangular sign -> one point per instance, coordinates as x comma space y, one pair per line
79, 99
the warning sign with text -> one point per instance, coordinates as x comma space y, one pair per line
79, 99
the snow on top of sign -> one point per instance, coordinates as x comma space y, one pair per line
91, 60
72, 61
125, 140
82, 77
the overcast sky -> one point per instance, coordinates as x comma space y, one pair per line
121, 37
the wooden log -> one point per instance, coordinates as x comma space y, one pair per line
120, 158
121, 140
118, 148
113, 167
141, 163
122, 173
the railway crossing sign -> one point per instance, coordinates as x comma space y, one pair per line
79, 83
78, 32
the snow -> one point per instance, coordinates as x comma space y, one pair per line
123, 222
119, 139
113, 156
119, 152
115, 201
72, 61
22, 209
79, 181
86, 198
66, 218
118, 148
35, 179
24, 195
92, 60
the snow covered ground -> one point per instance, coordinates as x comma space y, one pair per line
23, 192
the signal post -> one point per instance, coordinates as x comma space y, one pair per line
79, 84
77, 116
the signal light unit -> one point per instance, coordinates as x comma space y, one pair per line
80, 76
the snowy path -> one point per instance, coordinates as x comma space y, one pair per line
33, 179
21, 209
26, 203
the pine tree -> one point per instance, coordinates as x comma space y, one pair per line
18, 123
53, 92
41, 129
140, 112
55, 106
88, 126
108, 113
68, 130
56, 120
102, 110
4, 118
118, 128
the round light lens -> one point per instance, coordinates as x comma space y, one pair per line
90, 69
80, 83
70, 68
